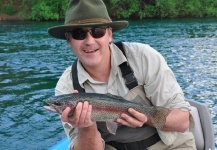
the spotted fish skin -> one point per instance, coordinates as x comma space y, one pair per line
107, 107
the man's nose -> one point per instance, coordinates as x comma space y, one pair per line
89, 38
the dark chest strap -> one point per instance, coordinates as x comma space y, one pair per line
138, 145
75, 82
127, 73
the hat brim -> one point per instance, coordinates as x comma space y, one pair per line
59, 31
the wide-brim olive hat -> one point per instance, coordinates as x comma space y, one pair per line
85, 13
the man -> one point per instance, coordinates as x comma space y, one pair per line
88, 30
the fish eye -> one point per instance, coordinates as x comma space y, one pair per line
57, 103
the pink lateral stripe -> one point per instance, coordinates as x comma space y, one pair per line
109, 109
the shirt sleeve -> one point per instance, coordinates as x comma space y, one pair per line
72, 135
153, 72
162, 87
158, 80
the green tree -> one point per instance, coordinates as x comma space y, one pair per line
133, 9
166, 8
44, 10
210, 8
123, 8
7, 8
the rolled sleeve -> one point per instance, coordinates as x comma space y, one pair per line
158, 80
72, 135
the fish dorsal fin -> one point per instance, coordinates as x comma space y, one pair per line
114, 96
139, 100
109, 94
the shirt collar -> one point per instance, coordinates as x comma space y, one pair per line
117, 55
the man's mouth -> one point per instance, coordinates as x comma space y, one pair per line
90, 51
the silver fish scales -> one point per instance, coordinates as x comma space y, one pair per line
107, 108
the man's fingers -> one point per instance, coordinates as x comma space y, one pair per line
124, 122
139, 116
88, 115
78, 112
82, 117
136, 119
75, 91
65, 114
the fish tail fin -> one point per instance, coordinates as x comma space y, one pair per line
159, 118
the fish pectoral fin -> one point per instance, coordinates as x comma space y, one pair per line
111, 127
71, 115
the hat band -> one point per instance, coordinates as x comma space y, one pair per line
94, 20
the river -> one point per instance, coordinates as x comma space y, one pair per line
31, 62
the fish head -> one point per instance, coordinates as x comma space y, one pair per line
60, 105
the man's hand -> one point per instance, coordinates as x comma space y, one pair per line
88, 135
81, 117
136, 119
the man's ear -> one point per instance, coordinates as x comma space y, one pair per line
67, 35
110, 35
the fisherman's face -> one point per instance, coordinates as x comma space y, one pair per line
91, 45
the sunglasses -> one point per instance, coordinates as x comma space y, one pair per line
81, 34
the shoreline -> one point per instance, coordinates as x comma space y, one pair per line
6, 17
16, 17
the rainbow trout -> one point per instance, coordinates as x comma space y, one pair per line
107, 108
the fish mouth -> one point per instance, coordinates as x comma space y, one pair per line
50, 108
59, 110
55, 108
61, 107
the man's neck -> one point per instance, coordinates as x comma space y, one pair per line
100, 73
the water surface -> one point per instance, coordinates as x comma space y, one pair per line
31, 62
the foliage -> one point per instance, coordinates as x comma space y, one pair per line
190, 8
161, 8
148, 12
133, 9
210, 8
43, 9
7, 8
123, 8
166, 8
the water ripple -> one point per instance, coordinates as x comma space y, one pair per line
31, 63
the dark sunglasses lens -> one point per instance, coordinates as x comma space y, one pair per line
98, 32
79, 34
